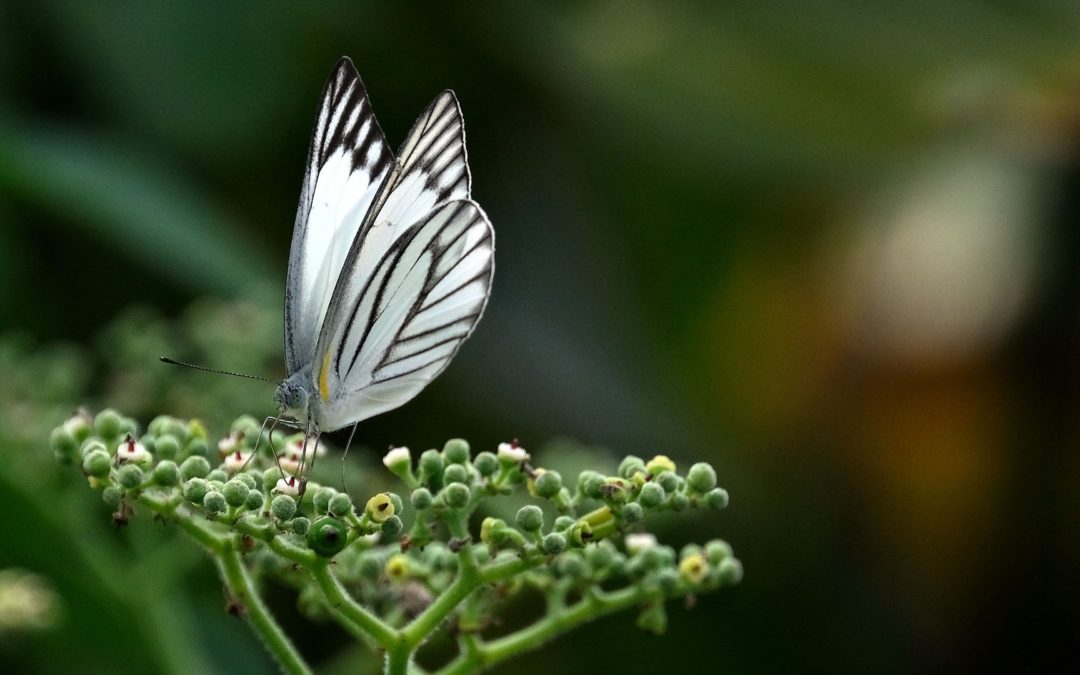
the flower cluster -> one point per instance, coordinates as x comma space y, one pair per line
410, 564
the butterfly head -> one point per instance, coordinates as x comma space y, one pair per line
292, 400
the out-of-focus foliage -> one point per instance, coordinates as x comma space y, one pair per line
830, 249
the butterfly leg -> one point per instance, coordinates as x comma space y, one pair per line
345, 454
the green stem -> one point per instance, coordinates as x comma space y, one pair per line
347, 609
238, 581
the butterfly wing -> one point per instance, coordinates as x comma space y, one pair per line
348, 161
416, 280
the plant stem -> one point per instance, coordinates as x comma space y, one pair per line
348, 609
238, 581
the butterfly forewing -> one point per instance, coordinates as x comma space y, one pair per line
348, 161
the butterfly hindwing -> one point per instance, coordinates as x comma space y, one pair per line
348, 161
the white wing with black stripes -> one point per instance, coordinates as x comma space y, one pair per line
415, 280
348, 162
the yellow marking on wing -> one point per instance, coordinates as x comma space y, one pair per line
324, 378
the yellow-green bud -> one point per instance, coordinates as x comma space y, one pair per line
694, 568
659, 464
397, 567
379, 508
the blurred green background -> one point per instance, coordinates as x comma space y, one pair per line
831, 249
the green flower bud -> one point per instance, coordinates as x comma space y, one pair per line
90, 445
580, 534
195, 467
631, 465
601, 555
195, 489
591, 484
669, 481
679, 502
368, 565
248, 480
196, 429
399, 461
554, 543
420, 499
108, 424
668, 580
327, 536
64, 445
236, 492
322, 498
701, 478
455, 473
693, 569
652, 495
129, 476
486, 464
530, 518
395, 499
167, 447
301, 525
659, 464
214, 502
97, 464
340, 505
216, 485
614, 490
166, 473
254, 500
431, 464
283, 507
729, 571
79, 425
246, 425
379, 508
632, 513
657, 557
717, 498
489, 528
571, 564
392, 526
563, 523
456, 451
218, 475
112, 495
717, 550
544, 484
197, 447
270, 478
456, 495
689, 550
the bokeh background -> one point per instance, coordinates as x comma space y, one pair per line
830, 248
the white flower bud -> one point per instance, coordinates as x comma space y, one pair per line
512, 453
131, 451
236, 461
288, 486
636, 543
397, 457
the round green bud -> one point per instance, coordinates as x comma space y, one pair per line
456, 451
491, 527
630, 465
214, 502
455, 473
236, 492
150, 444
431, 463
529, 518
380, 508
283, 507
197, 447
658, 556
368, 565
174, 427
270, 478
195, 489
301, 525
614, 490
486, 464
322, 498
392, 526
632, 513
546, 484
701, 478
689, 550
571, 564
247, 479
254, 501
79, 425
340, 505
580, 534
167, 447
395, 499
652, 495
108, 423
554, 543
166, 473
591, 484
218, 475
669, 481
129, 476
730, 571
90, 445
64, 445
327, 536
247, 425
717, 550
717, 498
563, 523
668, 580
195, 467
97, 464
659, 464
112, 495
420, 499
602, 554
456, 495
679, 502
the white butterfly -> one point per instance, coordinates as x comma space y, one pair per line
391, 262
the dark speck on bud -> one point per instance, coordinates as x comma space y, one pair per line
214, 502
130, 476
380, 508
283, 507
195, 467
486, 463
717, 498
327, 536
554, 543
421, 499
701, 478
456, 451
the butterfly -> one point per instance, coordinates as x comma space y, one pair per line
391, 262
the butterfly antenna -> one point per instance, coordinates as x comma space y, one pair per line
174, 362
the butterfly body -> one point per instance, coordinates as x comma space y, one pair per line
391, 261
